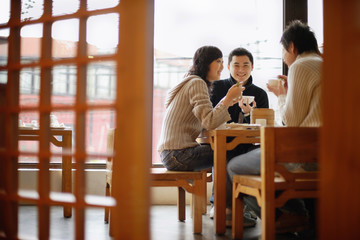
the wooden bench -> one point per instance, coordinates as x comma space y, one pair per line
279, 145
193, 182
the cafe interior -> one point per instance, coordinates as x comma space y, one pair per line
77, 146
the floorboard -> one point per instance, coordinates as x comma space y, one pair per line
164, 225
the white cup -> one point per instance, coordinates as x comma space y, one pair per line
250, 99
274, 82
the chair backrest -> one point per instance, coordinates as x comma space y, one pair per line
284, 145
263, 113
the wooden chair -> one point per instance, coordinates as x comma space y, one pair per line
263, 113
191, 182
279, 145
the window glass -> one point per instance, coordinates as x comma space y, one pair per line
101, 85
316, 20
4, 34
63, 7
182, 26
102, 34
29, 87
31, 9
100, 4
28, 148
65, 35
31, 42
63, 85
3, 76
5, 11
98, 124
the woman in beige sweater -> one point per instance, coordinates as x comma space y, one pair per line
189, 111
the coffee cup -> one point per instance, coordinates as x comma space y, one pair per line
274, 82
248, 99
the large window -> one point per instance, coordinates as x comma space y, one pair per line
182, 26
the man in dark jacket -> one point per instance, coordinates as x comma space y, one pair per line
240, 65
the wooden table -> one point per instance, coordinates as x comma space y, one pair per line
217, 139
66, 144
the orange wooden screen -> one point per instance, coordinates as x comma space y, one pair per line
339, 202
133, 108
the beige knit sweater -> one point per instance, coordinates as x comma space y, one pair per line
188, 111
302, 106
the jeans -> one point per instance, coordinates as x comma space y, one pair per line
188, 159
245, 164
239, 150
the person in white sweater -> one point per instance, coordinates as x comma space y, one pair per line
189, 111
299, 102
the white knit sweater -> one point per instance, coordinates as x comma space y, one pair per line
302, 104
188, 111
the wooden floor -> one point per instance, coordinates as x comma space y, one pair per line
164, 225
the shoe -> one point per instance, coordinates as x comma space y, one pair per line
248, 220
290, 222
249, 211
212, 212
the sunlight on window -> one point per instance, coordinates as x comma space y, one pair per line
62, 7
31, 9
101, 4
103, 32
315, 20
183, 26
4, 11
31, 42
4, 48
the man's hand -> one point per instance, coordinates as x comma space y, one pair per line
281, 89
245, 105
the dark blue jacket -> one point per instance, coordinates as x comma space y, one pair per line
220, 88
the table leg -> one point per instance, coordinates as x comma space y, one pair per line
220, 184
67, 170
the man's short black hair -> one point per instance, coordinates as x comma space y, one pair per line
301, 36
241, 52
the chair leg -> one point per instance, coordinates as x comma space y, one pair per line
107, 209
197, 205
181, 204
267, 217
237, 214
204, 193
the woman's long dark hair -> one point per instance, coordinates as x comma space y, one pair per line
203, 57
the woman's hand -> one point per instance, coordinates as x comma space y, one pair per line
233, 95
281, 89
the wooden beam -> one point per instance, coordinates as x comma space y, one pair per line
132, 159
340, 152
